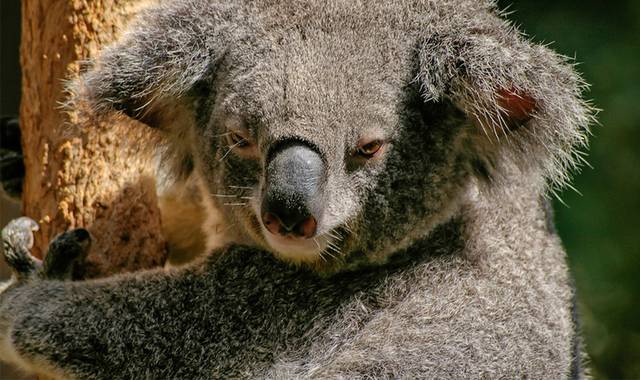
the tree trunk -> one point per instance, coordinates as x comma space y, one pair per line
80, 173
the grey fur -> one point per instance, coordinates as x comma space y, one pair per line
435, 259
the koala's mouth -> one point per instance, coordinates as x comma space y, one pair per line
321, 247
300, 250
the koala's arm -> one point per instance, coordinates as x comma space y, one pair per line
488, 307
131, 326
226, 316
197, 322
99, 329
76, 329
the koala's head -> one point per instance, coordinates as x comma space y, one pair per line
324, 130
320, 142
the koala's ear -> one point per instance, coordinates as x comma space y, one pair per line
524, 101
150, 74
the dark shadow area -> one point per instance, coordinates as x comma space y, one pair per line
10, 63
9, 104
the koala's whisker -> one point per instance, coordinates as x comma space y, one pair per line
333, 243
240, 187
331, 247
230, 149
225, 195
334, 247
320, 250
334, 234
235, 204
328, 253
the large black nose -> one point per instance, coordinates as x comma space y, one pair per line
292, 197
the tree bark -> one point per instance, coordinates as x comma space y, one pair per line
80, 173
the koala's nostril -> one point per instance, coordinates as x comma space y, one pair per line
299, 228
271, 222
307, 228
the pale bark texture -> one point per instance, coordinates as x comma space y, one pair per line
80, 173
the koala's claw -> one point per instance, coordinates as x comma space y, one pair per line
17, 241
66, 255
66, 252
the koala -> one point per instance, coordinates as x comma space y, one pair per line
380, 174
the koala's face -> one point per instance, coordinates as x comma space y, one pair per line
343, 129
322, 149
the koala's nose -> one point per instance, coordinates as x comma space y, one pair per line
296, 225
292, 196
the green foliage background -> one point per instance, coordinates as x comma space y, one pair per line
601, 228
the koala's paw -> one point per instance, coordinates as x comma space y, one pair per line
66, 255
17, 241
64, 258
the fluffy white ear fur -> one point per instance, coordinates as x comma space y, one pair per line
161, 67
167, 59
525, 100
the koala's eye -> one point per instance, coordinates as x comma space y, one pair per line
370, 149
238, 140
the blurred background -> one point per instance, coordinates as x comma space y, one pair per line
600, 226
